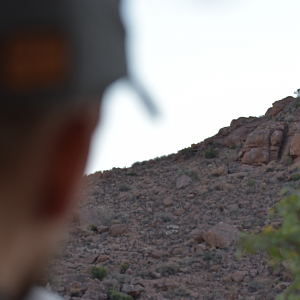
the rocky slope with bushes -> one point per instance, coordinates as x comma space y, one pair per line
168, 228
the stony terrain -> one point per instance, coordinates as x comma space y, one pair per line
167, 228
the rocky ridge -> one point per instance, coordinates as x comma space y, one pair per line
168, 228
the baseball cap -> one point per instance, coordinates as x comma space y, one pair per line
60, 50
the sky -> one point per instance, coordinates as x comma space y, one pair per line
204, 63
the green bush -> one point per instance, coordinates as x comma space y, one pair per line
221, 208
114, 294
233, 146
169, 268
211, 153
251, 182
92, 227
295, 177
131, 174
124, 267
98, 272
124, 188
282, 244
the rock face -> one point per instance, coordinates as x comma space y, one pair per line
222, 235
183, 181
263, 144
274, 137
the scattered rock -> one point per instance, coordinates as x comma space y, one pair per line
222, 235
132, 290
118, 229
102, 229
167, 202
103, 258
157, 254
197, 235
238, 276
183, 181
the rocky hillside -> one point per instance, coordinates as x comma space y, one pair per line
167, 228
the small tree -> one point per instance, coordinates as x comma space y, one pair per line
297, 93
283, 244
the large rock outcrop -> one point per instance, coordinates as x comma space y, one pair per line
273, 137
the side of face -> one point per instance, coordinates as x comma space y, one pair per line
38, 195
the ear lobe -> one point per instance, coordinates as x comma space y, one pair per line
66, 168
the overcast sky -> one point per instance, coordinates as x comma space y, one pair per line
204, 62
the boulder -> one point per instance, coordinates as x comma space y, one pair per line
102, 229
201, 190
178, 212
221, 235
256, 156
157, 254
183, 181
103, 258
220, 171
118, 229
196, 235
167, 201
132, 290
238, 276
164, 284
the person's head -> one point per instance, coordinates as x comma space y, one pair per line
56, 59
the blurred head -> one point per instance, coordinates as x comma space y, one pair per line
56, 58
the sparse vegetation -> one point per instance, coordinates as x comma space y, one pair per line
165, 217
191, 173
207, 256
221, 208
122, 217
114, 294
251, 182
92, 227
131, 174
187, 152
124, 187
105, 215
124, 267
286, 160
169, 268
181, 291
98, 272
295, 177
211, 153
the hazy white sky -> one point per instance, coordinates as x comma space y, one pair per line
205, 62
